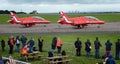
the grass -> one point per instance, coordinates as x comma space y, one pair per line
111, 17
68, 46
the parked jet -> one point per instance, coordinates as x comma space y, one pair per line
27, 21
80, 22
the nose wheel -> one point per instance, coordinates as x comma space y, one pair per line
80, 26
98, 26
27, 25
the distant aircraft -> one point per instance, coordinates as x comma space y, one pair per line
80, 22
27, 21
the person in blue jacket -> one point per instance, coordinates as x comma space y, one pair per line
88, 47
31, 44
23, 40
53, 44
108, 47
1, 60
110, 60
97, 47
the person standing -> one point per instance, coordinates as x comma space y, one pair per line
11, 43
108, 47
97, 47
88, 47
53, 44
78, 46
3, 45
40, 44
117, 57
17, 43
23, 40
59, 44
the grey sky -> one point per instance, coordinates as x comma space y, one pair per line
44, 6
63, 1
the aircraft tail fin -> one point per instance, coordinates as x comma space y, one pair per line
65, 17
15, 17
63, 14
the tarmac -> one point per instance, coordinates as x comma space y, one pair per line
55, 28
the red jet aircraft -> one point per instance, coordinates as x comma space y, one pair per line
27, 21
80, 22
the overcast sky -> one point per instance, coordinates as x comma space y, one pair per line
47, 6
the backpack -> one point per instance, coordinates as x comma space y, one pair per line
11, 42
17, 41
63, 53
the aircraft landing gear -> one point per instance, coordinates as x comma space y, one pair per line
79, 27
98, 26
27, 25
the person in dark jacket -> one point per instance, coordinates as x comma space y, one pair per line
53, 45
31, 44
11, 43
3, 45
40, 44
23, 40
78, 45
17, 42
117, 57
88, 47
97, 47
108, 47
110, 60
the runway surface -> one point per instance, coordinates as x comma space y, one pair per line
54, 28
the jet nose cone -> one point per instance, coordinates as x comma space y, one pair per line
46, 21
59, 21
102, 22
9, 21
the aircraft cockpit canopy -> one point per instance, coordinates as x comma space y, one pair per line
40, 18
91, 17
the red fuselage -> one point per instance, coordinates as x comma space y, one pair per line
78, 21
27, 21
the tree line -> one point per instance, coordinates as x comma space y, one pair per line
8, 12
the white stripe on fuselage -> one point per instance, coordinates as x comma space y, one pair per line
66, 19
16, 19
